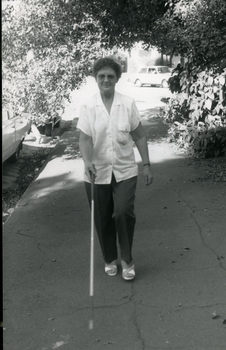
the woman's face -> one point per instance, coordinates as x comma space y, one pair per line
106, 80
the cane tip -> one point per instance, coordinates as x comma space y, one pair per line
90, 324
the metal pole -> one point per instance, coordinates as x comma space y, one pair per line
91, 288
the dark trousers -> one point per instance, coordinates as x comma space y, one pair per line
114, 217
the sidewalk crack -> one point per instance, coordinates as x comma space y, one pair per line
135, 319
200, 232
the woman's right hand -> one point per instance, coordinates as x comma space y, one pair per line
90, 169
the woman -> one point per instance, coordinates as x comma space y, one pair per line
109, 122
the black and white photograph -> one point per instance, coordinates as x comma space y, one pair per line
113, 175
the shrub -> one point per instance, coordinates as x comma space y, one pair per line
202, 138
197, 112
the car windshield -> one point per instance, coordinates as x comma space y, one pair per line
163, 70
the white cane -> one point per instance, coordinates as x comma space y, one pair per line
91, 288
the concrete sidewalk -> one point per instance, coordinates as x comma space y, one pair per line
178, 298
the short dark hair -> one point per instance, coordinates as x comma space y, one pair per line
107, 62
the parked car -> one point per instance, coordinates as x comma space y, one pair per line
14, 130
152, 75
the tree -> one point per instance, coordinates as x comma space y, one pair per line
192, 28
126, 22
47, 49
196, 29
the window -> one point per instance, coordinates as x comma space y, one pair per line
163, 70
143, 71
5, 115
151, 70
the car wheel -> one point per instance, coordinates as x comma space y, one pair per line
14, 158
138, 83
164, 84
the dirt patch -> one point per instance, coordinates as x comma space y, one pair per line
215, 169
29, 166
26, 170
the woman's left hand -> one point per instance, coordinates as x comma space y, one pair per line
148, 177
